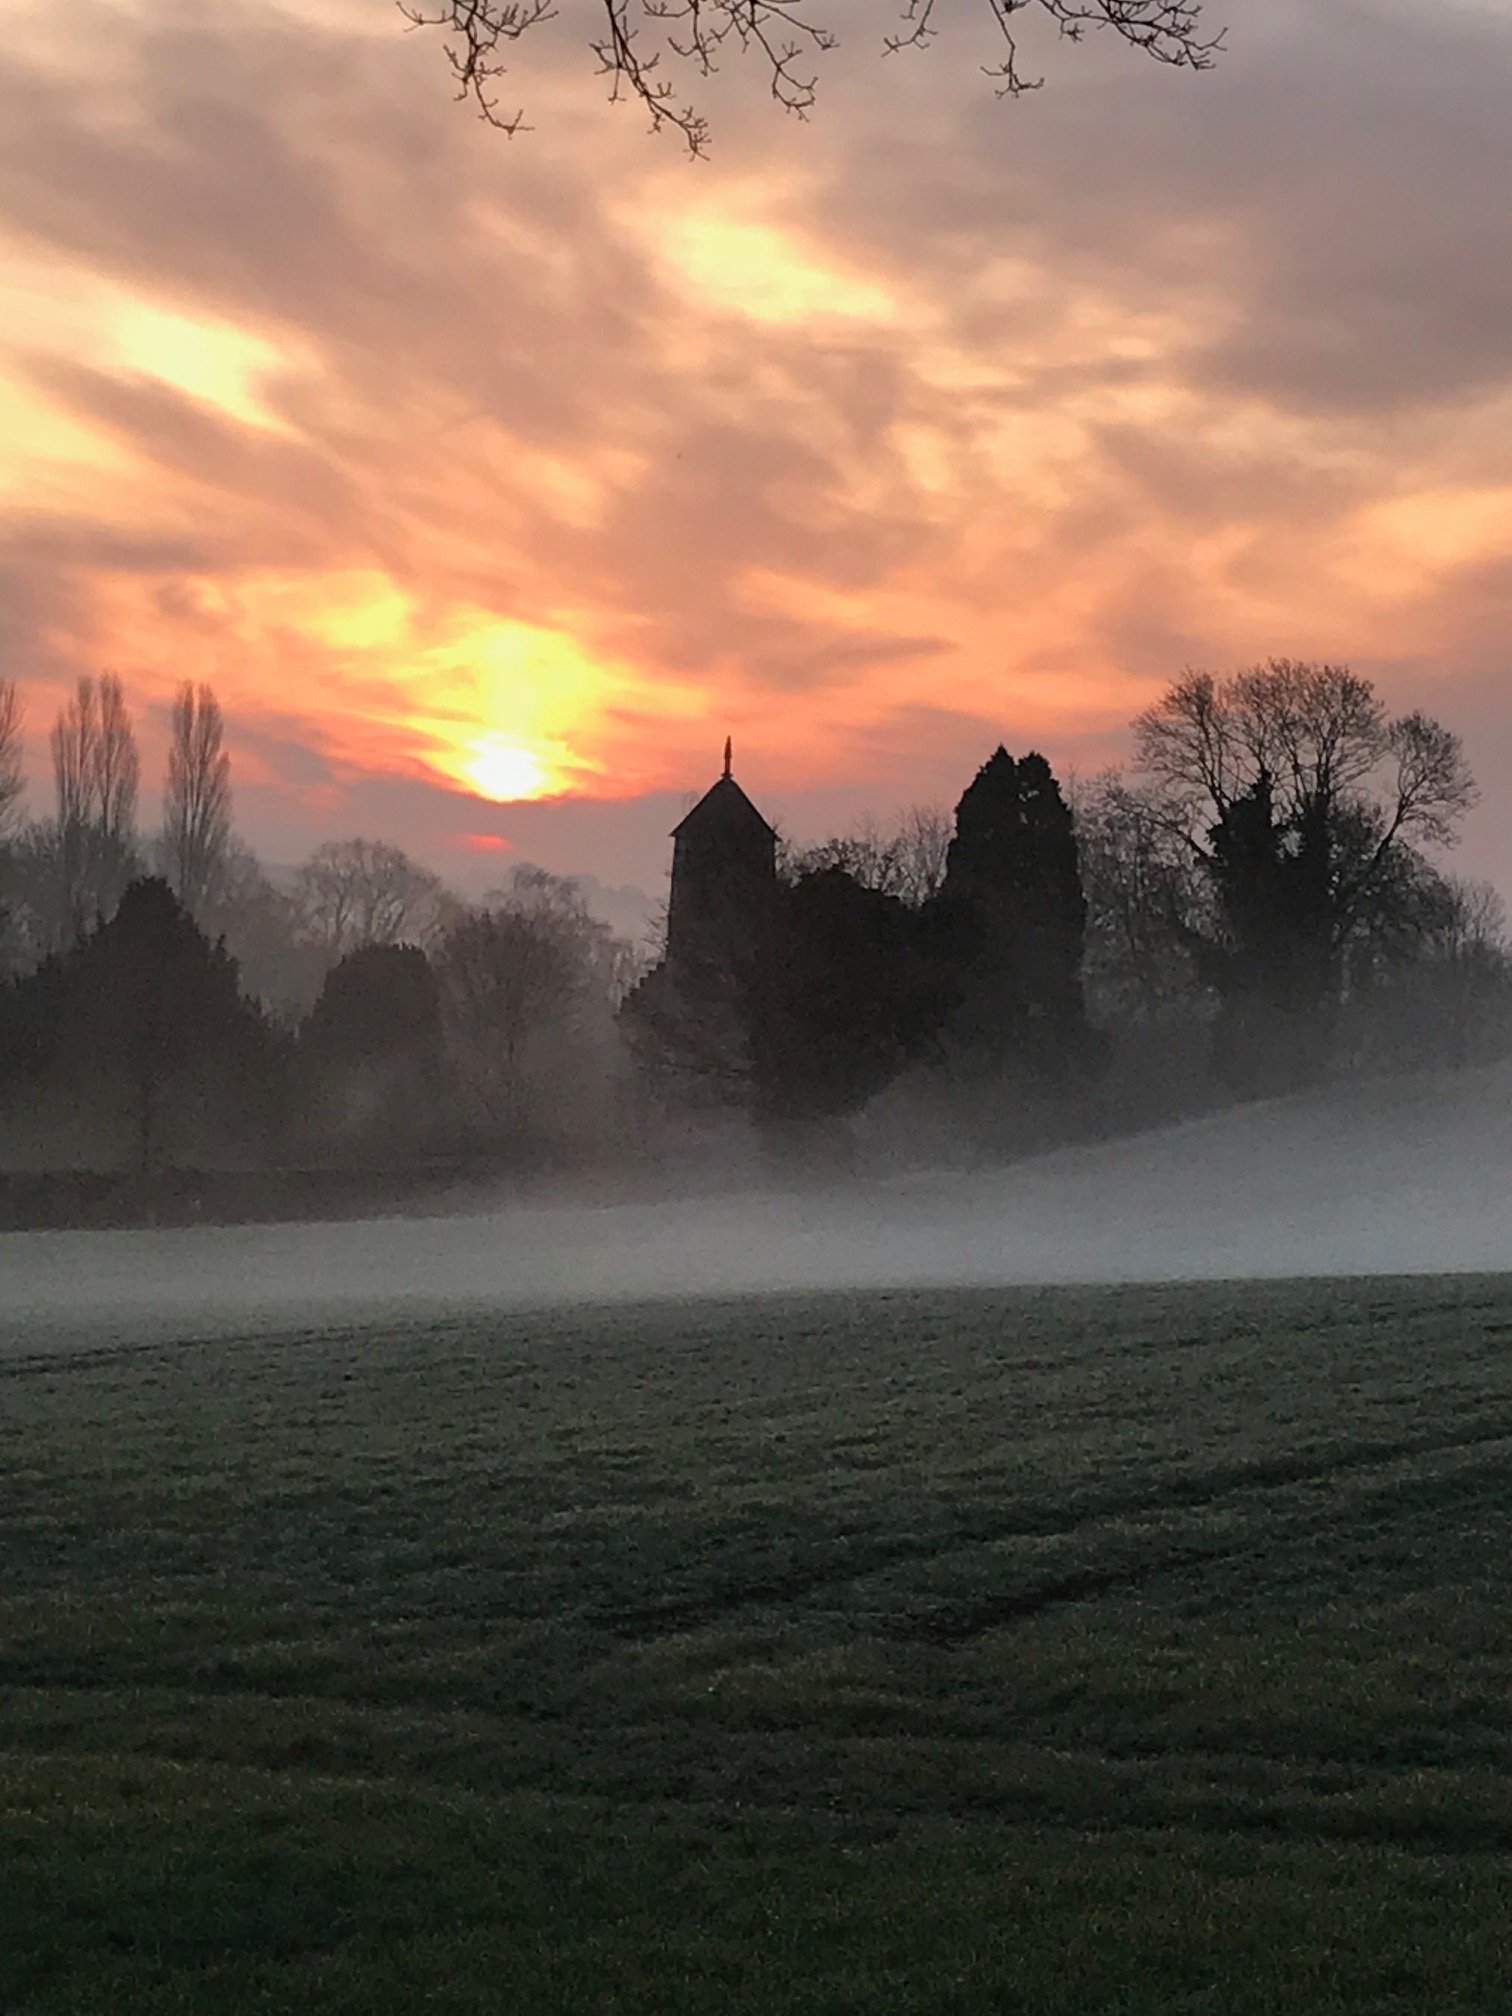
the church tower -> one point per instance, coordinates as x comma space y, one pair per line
724, 879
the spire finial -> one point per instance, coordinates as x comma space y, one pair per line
729, 754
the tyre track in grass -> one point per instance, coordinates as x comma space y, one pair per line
958, 1625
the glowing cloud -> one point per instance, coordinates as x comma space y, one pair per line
761, 271
207, 361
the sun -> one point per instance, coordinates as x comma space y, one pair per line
505, 772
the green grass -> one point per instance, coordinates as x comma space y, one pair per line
1071, 1652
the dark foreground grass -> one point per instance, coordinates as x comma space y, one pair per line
1084, 1652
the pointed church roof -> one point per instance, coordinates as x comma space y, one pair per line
724, 807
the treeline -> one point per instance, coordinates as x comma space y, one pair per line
60, 875
168, 1003
1257, 903
1254, 906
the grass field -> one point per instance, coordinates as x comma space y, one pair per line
1070, 1652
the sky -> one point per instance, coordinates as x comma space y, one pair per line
492, 481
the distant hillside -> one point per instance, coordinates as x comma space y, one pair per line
1379, 1176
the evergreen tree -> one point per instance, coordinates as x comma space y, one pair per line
856, 997
1270, 955
377, 1002
148, 1024
371, 1052
1015, 917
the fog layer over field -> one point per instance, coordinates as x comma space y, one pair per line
1410, 1177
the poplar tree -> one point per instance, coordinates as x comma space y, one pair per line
96, 771
197, 802
11, 784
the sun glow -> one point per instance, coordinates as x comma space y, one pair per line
360, 674
503, 771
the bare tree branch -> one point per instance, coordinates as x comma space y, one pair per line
643, 46
11, 781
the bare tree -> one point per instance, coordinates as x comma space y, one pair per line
365, 892
197, 803
96, 770
1303, 805
505, 979
923, 837
611, 964
906, 860
529, 982
265, 934
118, 768
1144, 896
11, 783
74, 741
1438, 993
1333, 763
95, 761
645, 48
12, 927
1472, 930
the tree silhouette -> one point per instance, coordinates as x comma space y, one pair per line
197, 803
96, 771
857, 995
645, 48
377, 1001
370, 1052
1432, 985
1267, 880
1303, 803
11, 787
529, 983
281, 965
1015, 917
1270, 956
905, 859
352, 893
150, 1019
11, 783
1143, 892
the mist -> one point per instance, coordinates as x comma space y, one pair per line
1394, 1177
